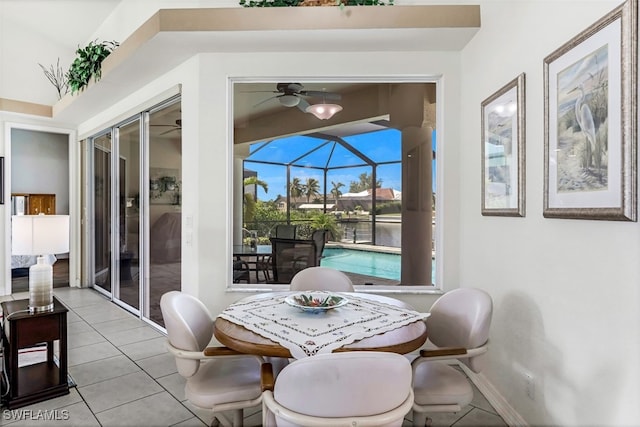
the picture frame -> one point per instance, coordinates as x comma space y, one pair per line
503, 150
2, 180
164, 186
590, 115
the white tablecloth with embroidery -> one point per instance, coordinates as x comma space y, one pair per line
306, 334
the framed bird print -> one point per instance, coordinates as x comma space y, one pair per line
503, 156
590, 129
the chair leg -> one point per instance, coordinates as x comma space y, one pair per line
420, 419
238, 418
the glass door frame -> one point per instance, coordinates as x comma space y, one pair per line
114, 293
143, 118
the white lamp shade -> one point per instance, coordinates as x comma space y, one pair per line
323, 111
39, 234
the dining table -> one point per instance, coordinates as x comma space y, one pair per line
255, 256
267, 325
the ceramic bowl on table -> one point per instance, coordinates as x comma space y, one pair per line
315, 302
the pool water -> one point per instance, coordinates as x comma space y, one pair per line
377, 264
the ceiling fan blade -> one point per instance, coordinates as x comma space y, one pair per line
319, 94
259, 91
170, 130
265, 100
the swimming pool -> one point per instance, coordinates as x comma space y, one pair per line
377, 264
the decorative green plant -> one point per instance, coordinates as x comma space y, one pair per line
293, 3
326, 221
57, 78
88, 63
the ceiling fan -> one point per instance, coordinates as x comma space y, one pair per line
177, 127
291, 95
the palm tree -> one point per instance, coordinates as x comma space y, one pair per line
249, 200
295, 188
336, 191
311, 188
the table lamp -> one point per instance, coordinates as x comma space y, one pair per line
40, 235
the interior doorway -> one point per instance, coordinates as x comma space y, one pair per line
39, 184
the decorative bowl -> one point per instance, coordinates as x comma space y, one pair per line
315, 302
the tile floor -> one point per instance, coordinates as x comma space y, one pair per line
125, 377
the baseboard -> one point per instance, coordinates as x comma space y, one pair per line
499, 403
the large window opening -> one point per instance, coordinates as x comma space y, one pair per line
365, 176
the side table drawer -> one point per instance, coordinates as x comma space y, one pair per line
36, 330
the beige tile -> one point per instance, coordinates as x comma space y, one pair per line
118, 391
174, 384
76, 297
81, 339
156, 410
97, 313
101, 370
27, 414
446, 419
159, 366
119, 325
119, 338
478, 417
191, 422
77, 326
75, 415
144, 349
90, 353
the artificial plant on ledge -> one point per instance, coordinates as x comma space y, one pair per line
88, 63
293, 3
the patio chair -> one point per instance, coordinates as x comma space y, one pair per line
286, 231
458, 330
241, 271
288, 256
367, 388
227, 381
321, 279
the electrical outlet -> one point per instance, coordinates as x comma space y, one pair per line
530, 386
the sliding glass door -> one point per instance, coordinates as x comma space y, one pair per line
128, 289
165, 204
136, 209
101, 153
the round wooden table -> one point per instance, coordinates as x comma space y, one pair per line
402, 340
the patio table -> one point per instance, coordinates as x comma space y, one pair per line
265, 325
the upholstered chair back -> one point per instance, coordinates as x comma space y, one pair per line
321, 279
189, 327
349, 384
461, 318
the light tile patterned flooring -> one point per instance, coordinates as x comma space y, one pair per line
125, 377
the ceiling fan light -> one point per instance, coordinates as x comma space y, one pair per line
324, 111
289, 100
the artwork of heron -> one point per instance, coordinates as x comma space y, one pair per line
584, 117
582, 124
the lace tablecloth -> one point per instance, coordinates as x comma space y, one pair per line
306, 334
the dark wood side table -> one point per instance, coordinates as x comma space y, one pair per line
21, 329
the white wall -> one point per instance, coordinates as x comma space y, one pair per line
213, 155
40, 164
565, 291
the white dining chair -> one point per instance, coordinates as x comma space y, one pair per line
321, 279
339, 389
218, 378
458, 328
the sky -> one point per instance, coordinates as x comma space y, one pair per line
309, 156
